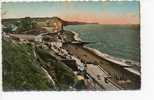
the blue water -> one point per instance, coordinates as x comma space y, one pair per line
120, 41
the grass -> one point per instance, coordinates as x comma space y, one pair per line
64, 75
22, 71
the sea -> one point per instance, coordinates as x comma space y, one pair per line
120, 41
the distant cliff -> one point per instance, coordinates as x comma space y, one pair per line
46, 19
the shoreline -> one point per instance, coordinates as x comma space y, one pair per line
76, 35
116, 60
131, 66
92, 57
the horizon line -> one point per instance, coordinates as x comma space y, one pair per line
73, 20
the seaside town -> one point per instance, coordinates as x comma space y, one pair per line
62, 58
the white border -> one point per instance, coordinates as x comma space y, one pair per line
147, 59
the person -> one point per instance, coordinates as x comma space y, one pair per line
98, 77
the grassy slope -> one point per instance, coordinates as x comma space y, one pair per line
64, 75
21, 71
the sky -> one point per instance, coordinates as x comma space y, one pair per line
103, 12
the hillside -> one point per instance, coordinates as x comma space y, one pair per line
46, 19
22, 71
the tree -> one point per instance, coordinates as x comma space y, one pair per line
7, 29
26, 24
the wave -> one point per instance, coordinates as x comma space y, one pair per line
132, 66
120, 61
116, 60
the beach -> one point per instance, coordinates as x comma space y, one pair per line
75, 49
114, 68
91, 68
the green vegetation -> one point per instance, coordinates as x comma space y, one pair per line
8, 29
64, 76
68, 36
26, 24
22, 70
